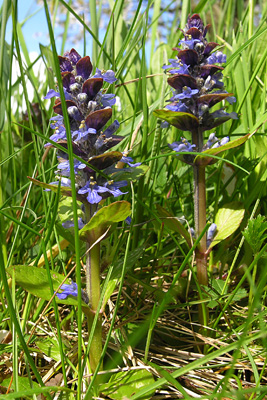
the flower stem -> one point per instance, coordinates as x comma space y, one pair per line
200, 223
93, 291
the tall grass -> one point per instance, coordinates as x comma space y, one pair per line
150, 324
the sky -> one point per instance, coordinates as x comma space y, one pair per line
34, 28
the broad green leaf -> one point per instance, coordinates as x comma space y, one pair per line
35, 281
173, 223
123, 385
216, 291
49, 347
23, 383
104, 218
228, 219
203, 159
181, 120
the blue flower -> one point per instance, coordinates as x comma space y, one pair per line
107, 76
113, 187
82, 134
189, 43
68, 290
216, 58
71, 290
128, 220
92, 189
64, 167
108, 100
70, 224
211, 233
187, 93
129, 160
179, 107
221, 142
184, 145
211, 140
52, 93
179, 67
221, 113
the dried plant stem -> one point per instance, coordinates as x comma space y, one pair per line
93, 291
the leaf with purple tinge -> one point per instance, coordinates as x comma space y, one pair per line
103, 219
180, 80
58, 106
204, 159
181, 120
92, 86
65, 64
98, 119
210, 46
194, 33
212, 98
209, 69
105, 160
75, 148
67, 79
64, 190
188, 57
84, 67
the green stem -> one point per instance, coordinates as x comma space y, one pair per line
93, 291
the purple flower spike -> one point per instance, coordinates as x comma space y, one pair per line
89, 110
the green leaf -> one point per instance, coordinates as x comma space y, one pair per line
127, 174
228, 219
23, 383
203, 159
50, 348
123, 385
216, 291
255, 233
173, 223
181, 120
104, 218
35, 281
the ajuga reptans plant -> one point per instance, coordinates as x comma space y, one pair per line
89, 110
196, 79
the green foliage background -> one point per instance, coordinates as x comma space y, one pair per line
149, 281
